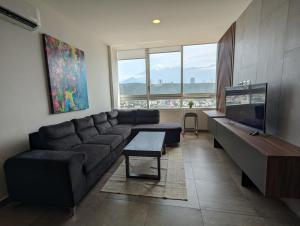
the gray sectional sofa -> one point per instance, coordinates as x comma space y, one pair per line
65, 160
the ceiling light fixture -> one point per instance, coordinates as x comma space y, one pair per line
156, 21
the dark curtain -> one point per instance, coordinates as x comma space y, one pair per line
225, 64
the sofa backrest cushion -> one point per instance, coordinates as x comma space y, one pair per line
147, 116
113, 117
61, 136
101, 122
126, 116
85, 128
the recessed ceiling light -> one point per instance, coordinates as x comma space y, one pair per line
156, 21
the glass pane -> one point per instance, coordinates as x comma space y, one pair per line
132, 77
164, 104
206, 102
165, 73
133, 104
237, 100
199, 68
258, 98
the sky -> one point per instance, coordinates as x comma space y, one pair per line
203, 56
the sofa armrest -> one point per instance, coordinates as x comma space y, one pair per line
46, 177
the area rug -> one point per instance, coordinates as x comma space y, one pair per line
171, 186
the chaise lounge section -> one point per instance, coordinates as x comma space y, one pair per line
65, 160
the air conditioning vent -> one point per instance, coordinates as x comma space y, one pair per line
16, 17
20, 13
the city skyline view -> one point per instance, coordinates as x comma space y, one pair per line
199, 61
199, 76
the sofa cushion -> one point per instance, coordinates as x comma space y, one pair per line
126, 116
58, 130
112, 114
94, 154
100, 118
113, 122
113, 117
65, 143
85, 128
147, 116
61, 136
123, 131
112, 140
101, 122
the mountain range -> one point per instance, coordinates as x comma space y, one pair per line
166, 75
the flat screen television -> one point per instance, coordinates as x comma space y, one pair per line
247, 105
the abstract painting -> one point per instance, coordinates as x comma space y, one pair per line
67, 76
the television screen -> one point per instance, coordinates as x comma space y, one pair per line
247, 105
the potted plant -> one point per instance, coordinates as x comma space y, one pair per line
191, 103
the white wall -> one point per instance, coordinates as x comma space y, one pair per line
268, 50
177, 115
24, 97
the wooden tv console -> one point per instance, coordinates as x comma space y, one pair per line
271, 164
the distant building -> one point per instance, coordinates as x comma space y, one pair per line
160, 81
193, 80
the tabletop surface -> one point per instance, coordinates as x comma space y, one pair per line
147, 141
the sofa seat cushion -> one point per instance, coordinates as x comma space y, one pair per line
112, 140
158, 127
124, 126
118, 130
95, 153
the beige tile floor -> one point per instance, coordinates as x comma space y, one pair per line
215, 197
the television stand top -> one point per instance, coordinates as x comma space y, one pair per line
267, 145
214, 114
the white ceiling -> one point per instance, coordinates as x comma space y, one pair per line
128, 23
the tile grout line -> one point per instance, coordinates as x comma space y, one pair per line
202, 217
147, 214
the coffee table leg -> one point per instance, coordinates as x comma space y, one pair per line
158, 167
127, 165
142, 176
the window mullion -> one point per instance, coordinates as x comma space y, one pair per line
181, 79
148, 83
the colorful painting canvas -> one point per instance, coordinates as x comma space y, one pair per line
67, 76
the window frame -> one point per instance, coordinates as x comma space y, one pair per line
148, 96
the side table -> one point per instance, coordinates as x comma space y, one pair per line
191, 115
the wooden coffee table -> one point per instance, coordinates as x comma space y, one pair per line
145, 144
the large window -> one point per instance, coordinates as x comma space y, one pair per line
132, 77
168, 77
165, 73
199, 69
199, 75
